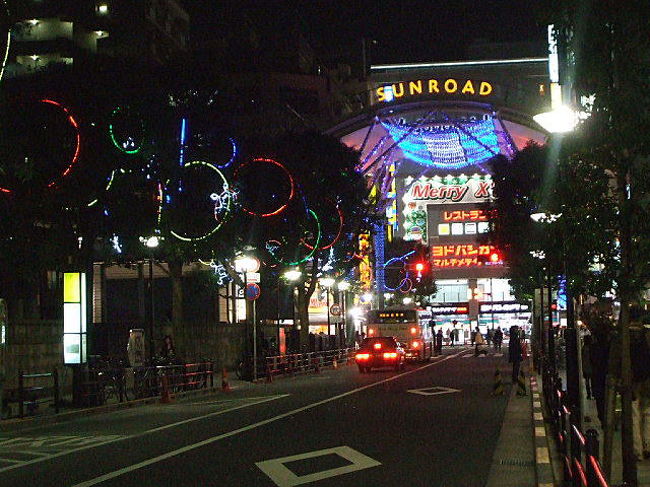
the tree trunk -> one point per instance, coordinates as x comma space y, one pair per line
177, 331
303, 317
624, 284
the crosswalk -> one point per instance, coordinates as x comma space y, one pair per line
23, 449
489, 355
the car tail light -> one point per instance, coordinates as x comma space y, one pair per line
416, 344
414, 330
377, 346
362, 356
390, 355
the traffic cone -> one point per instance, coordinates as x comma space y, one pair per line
225, 387
165, 396
497, 388
521, 383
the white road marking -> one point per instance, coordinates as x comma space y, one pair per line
137, 435
433, 391
538, 416
542, 455
540, 431
179, 451
283, 477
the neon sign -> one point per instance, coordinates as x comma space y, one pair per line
433, 86
465, 215
465, 255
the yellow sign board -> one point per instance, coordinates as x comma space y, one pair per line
432, 86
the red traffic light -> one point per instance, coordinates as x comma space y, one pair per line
419, 267
495, 257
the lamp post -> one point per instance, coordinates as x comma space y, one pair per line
327, 283
293, 276
343, 286
246, 264
151, 243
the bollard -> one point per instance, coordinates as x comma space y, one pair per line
225, 387
165, 397
57, 401
497, 387
521, 383
269, 373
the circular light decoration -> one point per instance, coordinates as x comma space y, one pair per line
127, 131
273, 246
6, 24
260, 184
205, 200
39, 148
211, 146
339, 214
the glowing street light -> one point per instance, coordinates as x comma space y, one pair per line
292, 275
343, 285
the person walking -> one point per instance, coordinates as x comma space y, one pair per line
478, 341
490, 337
586, 364
514, 352
439, 341
498, 339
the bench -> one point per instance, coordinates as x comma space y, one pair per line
30, 396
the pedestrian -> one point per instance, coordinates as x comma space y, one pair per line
599, 367
439, 341
448, 333
490, 337
640, 358
167, 351
586, 364
498, 338
514, 352
478, 341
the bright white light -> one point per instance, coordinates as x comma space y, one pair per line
366, 298
407, 300
355, 312
558, 121
32, 21
387, 295
545, 217
388, 93
102, 9
326, 281
343, 286
246, 263
152, 242
538, 254
292, 275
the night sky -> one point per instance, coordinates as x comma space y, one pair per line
405, 31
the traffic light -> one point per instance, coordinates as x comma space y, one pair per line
495, 257
419, 269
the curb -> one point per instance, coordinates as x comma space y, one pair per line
17, 424
543, 467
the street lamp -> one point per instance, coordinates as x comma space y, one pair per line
343, 286
327, 283
151, 243
246, 264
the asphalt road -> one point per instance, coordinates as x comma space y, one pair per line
433, 424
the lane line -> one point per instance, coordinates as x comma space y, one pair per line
180, 451
137, 435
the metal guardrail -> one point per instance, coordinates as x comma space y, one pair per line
30, 395
578, 450
300, 363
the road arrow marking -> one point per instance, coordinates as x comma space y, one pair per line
433, 391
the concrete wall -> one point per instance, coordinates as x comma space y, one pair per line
221, 342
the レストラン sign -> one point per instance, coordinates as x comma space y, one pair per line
432, 86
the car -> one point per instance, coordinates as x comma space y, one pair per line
381, 351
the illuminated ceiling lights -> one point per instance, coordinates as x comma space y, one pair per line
449, 146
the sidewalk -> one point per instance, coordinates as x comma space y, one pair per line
514, 463
46, 414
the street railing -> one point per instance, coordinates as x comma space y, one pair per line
300, 363
32, 389
578, 450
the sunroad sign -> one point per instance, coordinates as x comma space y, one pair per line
504, 307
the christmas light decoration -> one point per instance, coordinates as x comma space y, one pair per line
232, 157
126, 142
75, 125
292, 188
449, 145
6, 53
338, 233
273, 246
224, 203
